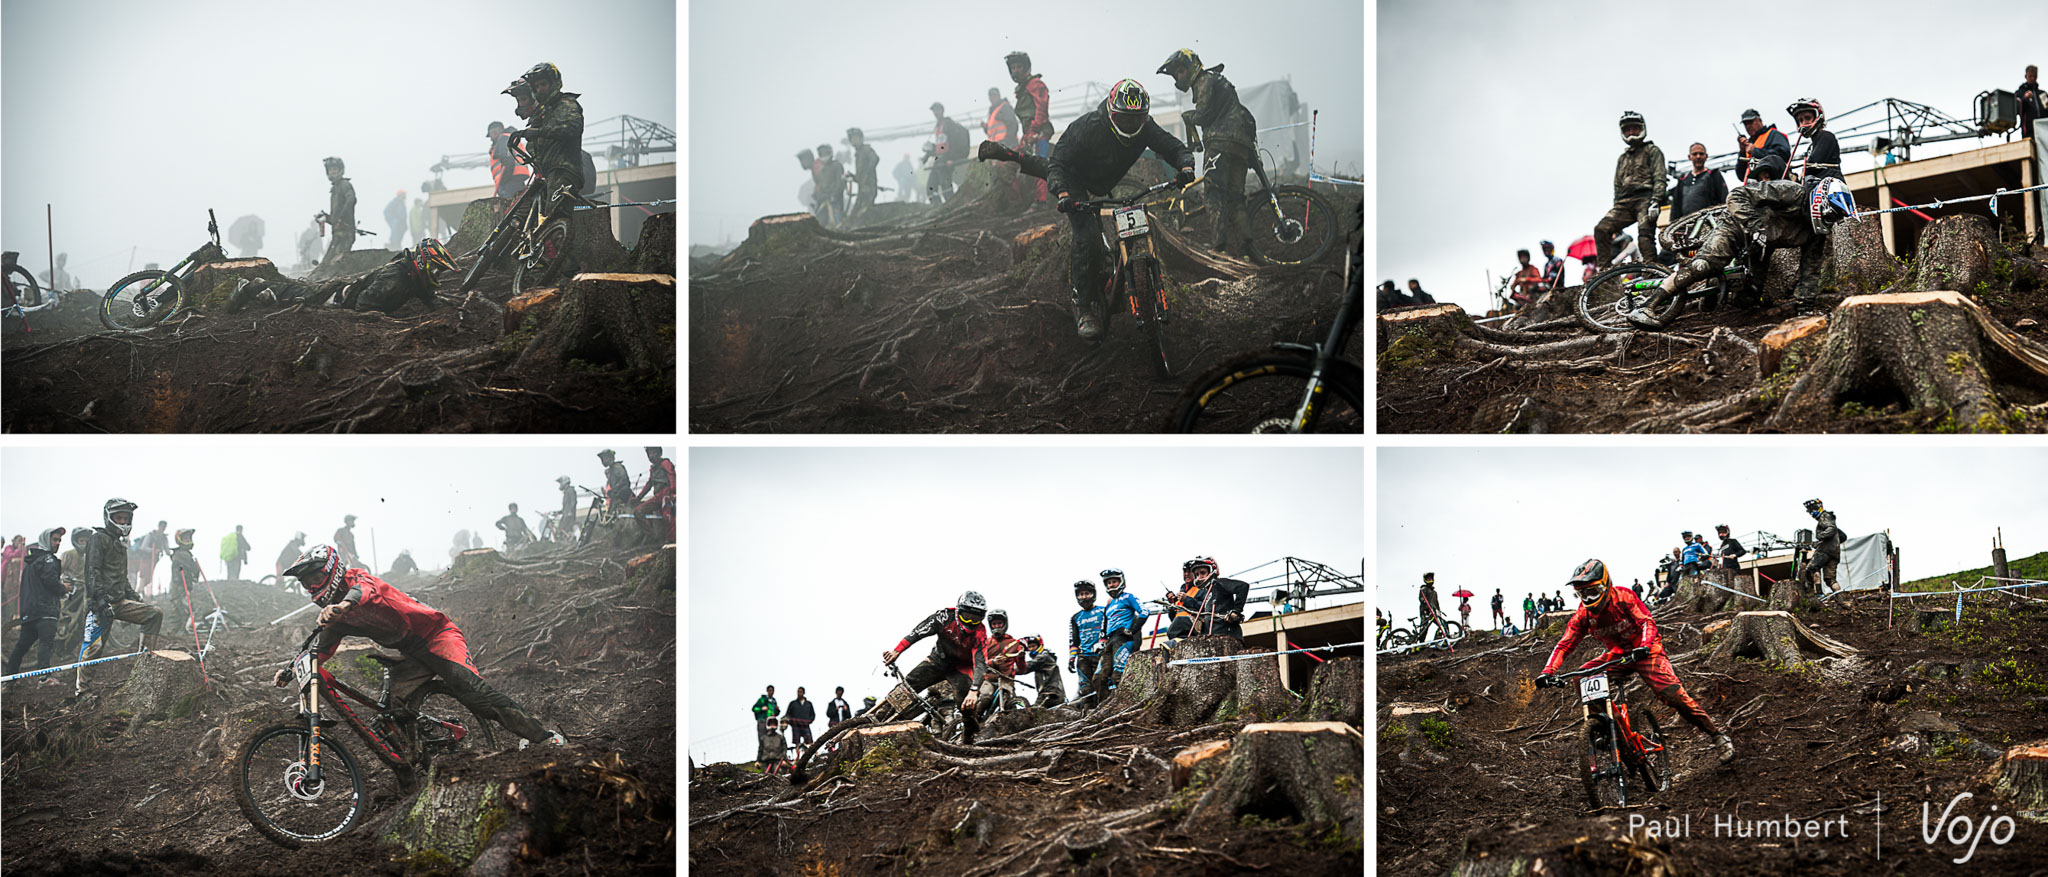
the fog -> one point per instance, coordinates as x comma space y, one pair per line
1498, 123
131, 119
806, 563
403, 498
1523, 519
769, 79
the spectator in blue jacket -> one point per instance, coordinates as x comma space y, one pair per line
1084, 634
1123, 621
1692, 553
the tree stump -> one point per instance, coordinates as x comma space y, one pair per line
1552, 623
1308, 773
464, 816
901, 740
210, 284
1921, 731
1020, 246
1776, 636
1956, 252
656, 251
1858, 263
1927, 350
608, 322
1188, 762
1778, 342
1402, 726
2021, 778
1698, 594
592, 246
1195, 694
475, 562
1336, 693
165, 684
538, 304
1432, 325
478, 219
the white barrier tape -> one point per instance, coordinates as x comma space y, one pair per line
66, 667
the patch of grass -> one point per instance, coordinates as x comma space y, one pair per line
1393, 735
2031, 567
1437, 732
1414, 349
2012, 679
371, 670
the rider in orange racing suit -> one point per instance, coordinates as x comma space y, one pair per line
1617, 617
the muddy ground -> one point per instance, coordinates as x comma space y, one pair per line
585, 640
455, 368
1702, 374
937, 320
1502, 781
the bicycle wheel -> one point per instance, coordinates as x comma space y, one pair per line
1148, 303
1605, 780
140, 301
445, 724
1606, 300
1655, 766
270, 788
550, 261
1290, 225
494, 247
1258, 392
27, 293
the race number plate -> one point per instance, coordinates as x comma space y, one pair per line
303, 669
1131, 221
1593, 688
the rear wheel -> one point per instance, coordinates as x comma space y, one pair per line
445, 724
140, 301
549, 261
271, 788
1606, 300
1290, 225
22, 285
1259, 392
1655, 767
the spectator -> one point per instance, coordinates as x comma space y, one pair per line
799, 715
1431, 611
1500, 609
1638, 185
234, 551
949, 148
1465, 612
155, 544
1553, 267
42, 598
394, 216
1391, 297
906, 180
1693, 553
1699, 188
1824, 154
508, 175
1760, 141
290, 555
769, 753
2033, 105
1671, 567
866, 704
1001, 125
1557, 601
11, 559
1529, 611
765, 710
1415, 292
837, 710
63, 281
1527, 281
418, 218
1638, 588
1731, 550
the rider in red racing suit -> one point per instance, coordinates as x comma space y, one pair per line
1617, 617
958, 660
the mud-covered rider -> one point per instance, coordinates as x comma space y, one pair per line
1123, 620
1084, 634
1617, 617
957, 664
355, 603
554, 133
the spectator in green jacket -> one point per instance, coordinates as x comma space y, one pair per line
765, 709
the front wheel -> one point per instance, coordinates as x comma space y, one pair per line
1261, 392
1606, 300
1604, 778
1148, 306
549, 259
1290, 225
271, 787
140, 301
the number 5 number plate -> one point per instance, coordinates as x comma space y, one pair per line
1130, 221
1593, 688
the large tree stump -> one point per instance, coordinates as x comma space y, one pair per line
478, 219
1698, 594
1189, 764
609, 322
1777, 636
656, 251
1438, 325
1195, 694
889, 744
165, 684
464, 816
1020, 246
1858, 262
1336, 693
592, 246
2021, 778
210, 284
1308, 773
1927, 350
1956, 252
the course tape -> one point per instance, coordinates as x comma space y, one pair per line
66, 667
1223, 658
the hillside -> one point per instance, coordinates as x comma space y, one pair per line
1478, 768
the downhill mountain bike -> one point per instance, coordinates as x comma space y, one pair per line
1616, 746
143, 300
296, 799
1288, 388
1606, 300
24, 295
535, 235
1289, 225
1138, 272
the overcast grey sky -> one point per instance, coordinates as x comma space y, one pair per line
412, 498
768, 79
1523, 518
1498, 122
806, 563
132, 118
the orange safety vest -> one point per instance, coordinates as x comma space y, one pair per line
997, 131
498, 170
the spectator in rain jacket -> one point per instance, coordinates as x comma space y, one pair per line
42, 600
234, 551
185, 576
837, 710
765, 709
799, 715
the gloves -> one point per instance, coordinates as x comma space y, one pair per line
1639, 653
329, 613
888, 656
1547, 680
1185, 176
1067, 203
283, 677
972, 700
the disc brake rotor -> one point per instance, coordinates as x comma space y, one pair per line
295, 782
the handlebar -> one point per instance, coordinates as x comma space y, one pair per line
1596, 669
1100, 203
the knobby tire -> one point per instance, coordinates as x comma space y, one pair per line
1318, 230
1603, 304
350, 773
1258, 391
1151, 291
437, 699
27, 293
117, 306
553, 244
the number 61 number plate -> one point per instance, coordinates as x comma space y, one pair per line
1593, 688
1131, 221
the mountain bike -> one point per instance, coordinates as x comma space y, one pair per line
143, 300
1615, 748
1288, 388
24, 295
296, 798
1138, 272
1290, 225
1606, 300
538, 242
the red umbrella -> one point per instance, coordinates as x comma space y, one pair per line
1583, 249
1461, 593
